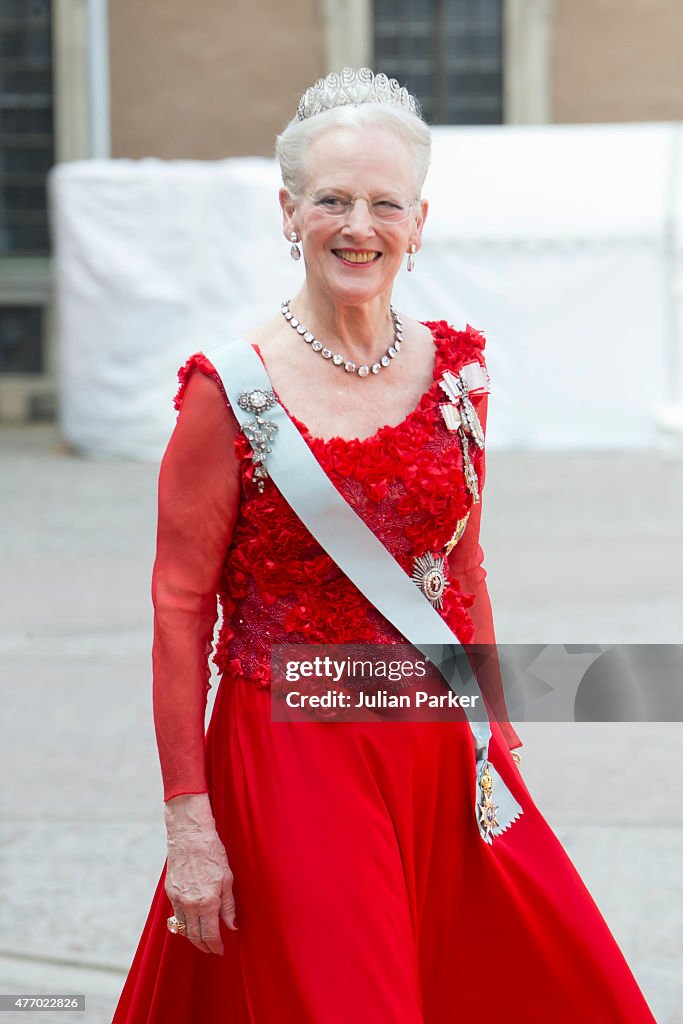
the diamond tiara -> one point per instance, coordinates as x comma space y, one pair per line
353, 88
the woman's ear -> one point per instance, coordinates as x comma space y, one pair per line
288, 208
421, 216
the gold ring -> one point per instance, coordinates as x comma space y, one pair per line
175, 926
517, 758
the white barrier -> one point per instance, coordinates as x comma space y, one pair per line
563, 243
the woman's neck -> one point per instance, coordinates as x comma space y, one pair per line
361, 332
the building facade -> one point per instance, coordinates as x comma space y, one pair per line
84, 79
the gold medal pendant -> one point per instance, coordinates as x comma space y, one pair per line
487, 808
459, 530
429, 574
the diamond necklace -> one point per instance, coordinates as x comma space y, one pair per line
338, 359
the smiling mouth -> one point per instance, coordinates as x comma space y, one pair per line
352, 256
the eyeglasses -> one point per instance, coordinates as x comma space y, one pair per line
340, 204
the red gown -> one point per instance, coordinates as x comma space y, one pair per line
363, 889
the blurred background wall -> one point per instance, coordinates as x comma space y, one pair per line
86, 79
210, 79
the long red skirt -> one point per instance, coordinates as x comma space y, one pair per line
365, 893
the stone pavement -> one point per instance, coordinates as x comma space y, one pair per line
578, 548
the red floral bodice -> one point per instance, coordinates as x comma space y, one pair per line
219, 535
406, 481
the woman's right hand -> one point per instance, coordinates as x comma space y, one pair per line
198, 877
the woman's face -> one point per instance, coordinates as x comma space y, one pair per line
355, 161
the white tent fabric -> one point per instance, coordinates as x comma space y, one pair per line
563, 243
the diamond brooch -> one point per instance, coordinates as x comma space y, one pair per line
259, 431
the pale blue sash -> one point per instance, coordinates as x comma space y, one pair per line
362, 557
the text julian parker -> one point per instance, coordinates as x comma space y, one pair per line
379, 699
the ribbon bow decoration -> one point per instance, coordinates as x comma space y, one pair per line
459, 414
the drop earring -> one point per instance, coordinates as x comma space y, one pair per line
411, 257
295, 251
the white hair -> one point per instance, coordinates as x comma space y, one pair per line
292, 143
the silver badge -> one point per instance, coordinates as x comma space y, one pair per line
429, 574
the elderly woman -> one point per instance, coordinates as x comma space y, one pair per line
325, 871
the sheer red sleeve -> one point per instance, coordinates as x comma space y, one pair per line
466, 565
198, 501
